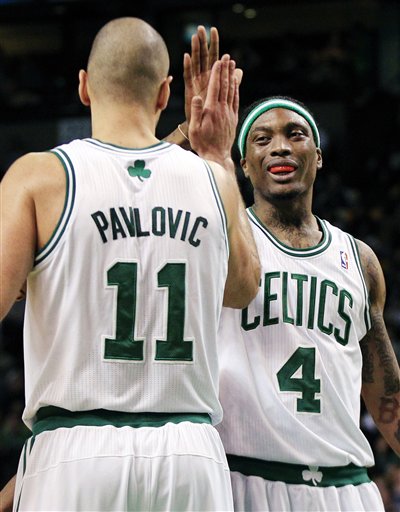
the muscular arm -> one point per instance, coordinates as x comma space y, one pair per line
32, 196
18, 233
380, 374
212, 132
244, 266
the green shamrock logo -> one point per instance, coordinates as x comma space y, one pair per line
139, 170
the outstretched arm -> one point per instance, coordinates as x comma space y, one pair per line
212, 132
381, 375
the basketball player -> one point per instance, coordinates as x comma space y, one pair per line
293, 363
130, 246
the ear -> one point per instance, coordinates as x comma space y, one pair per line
83, 88
243, 163
163, 93
319, 159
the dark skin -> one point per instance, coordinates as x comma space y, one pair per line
282, 161
282, 137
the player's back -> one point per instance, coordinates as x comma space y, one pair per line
123, 302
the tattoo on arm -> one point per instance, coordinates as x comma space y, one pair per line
397, 433
376, 347
368, 363
388, 410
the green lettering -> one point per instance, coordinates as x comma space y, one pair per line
285, 307
301, 279
269, 297
101, 223
344, 294
116, 225
245, 320
312, 299
129, 222
192, 240
325, 284
139, 233
158, 221
173, 224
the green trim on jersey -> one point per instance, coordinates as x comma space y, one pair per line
314, 476
219, 202
51, 418
292, 251
158, 146
357, 257
67, 209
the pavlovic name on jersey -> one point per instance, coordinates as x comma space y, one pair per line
121, 222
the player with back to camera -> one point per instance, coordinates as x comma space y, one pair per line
294, 362
114, 235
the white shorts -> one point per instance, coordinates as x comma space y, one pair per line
179, 467
255, 494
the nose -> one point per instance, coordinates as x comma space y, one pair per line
279, 146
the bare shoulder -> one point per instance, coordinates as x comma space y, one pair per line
373, 272
34, 171
35, 184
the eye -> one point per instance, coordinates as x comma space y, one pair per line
297, 134
262, 139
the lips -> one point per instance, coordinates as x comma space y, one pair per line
277, 169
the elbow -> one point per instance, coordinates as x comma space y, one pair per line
243, 292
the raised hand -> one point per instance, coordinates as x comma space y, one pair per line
197, 66
213, 121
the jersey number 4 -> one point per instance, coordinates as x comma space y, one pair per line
124, 346
307, 385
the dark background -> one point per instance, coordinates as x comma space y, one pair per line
340, 57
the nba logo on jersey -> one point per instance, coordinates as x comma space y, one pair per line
344, 260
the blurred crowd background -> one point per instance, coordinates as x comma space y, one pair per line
340, 57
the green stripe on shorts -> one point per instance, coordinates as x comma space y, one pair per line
50, 418
297, 474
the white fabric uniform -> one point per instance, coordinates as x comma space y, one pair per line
123, 303
291, 372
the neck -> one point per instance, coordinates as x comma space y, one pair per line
289, 211
292, 222
128, 126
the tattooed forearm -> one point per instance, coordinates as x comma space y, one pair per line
397, 433
368, 363
388, 410
385, 354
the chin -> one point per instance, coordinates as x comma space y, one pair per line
285, 195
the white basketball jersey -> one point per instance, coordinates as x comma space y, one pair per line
291, 362
124, 301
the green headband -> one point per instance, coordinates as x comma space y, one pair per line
268, 105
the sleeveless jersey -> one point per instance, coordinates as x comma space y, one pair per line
291, 362
124, 301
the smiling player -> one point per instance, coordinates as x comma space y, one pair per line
293, 363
